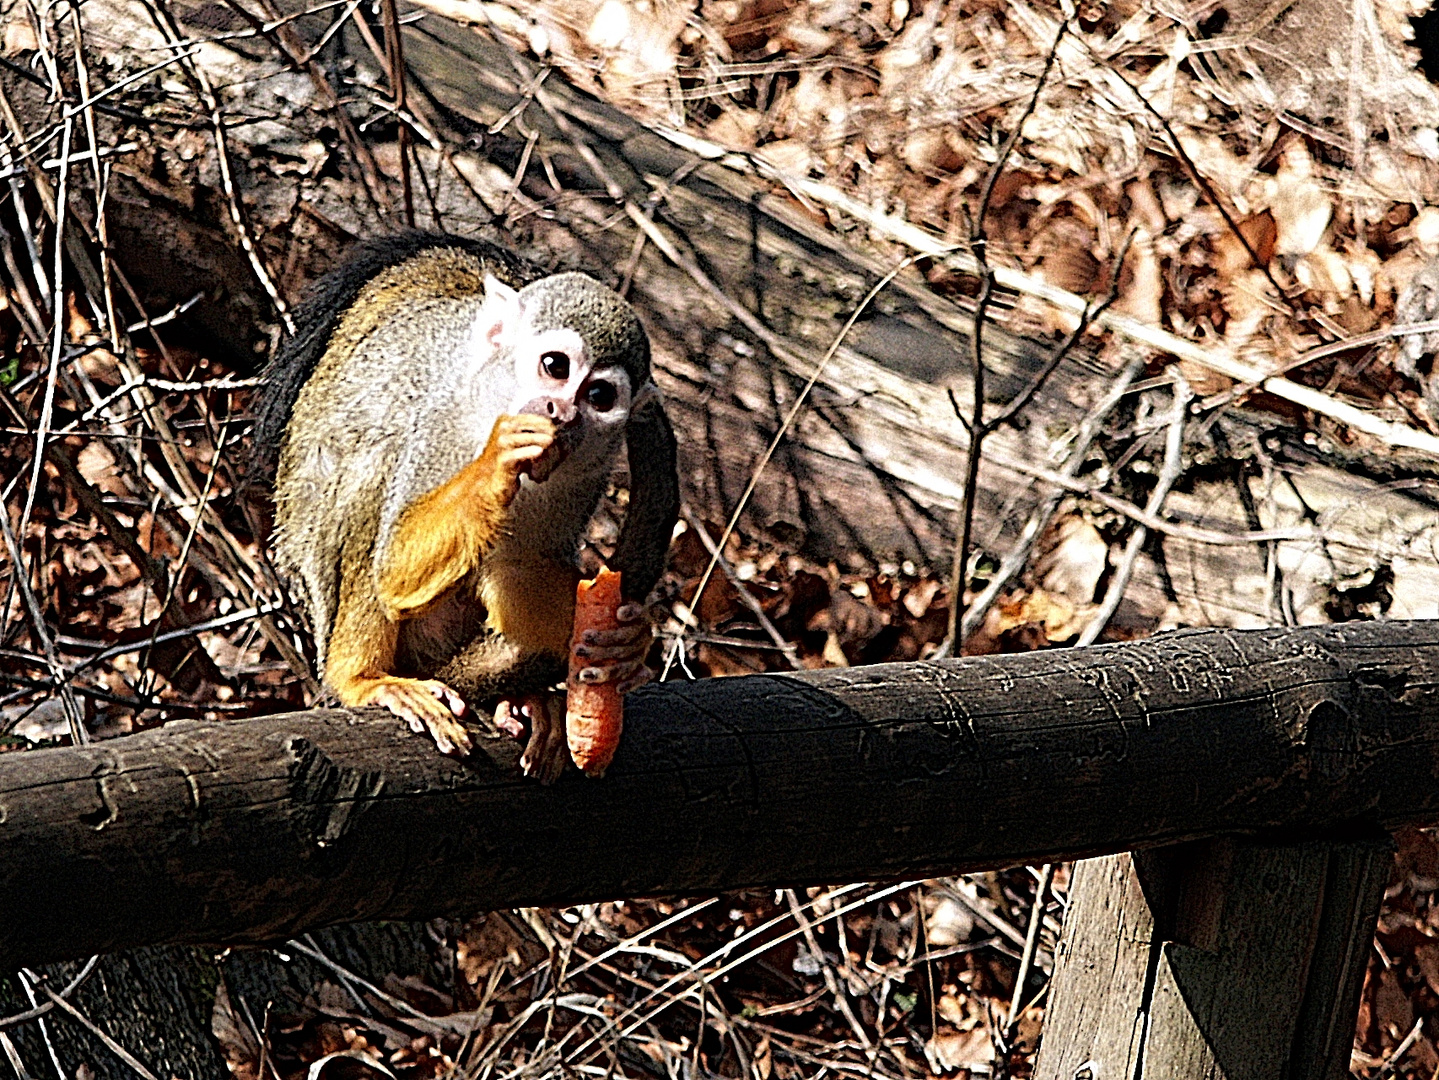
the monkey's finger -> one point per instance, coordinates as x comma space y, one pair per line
615, 673
521, 428
630, 613
509, 720
422, 706
535, 443
544, 756
604, 653
517, 457
522, 422
450, 737
633, 637
524, 429
451, 700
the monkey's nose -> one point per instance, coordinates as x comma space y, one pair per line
560, 411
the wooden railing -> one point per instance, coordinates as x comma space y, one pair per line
1258, 773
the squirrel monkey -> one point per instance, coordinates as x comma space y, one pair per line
446, 419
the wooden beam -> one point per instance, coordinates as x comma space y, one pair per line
259, 829
1221, 958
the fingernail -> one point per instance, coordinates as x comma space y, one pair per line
591, 674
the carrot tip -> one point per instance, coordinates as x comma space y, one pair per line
594, 712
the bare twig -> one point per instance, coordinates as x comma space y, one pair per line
395, 63
40, 1010
162, 19
831, 982
613, 1026
1018, 556
99, 1033
748, 600
1168, 475
799, 402
976, 424
1031, 940
1391, 1062
1217, 359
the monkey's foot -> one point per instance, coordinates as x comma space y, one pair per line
618, 656
425, 705
546, 752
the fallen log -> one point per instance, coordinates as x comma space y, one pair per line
260, 829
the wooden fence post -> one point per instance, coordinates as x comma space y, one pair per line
1221, 958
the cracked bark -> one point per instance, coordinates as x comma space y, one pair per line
259, 829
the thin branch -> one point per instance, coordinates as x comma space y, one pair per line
745, 597
94, 1029
40, 1010
395, 62
1063, 348
977, 427
1168, 475
1031, 940
1217, 359
208, 97
1018, 556
783, 430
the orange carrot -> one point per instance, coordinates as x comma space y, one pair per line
594, 712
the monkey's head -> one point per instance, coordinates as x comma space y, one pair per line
579, 356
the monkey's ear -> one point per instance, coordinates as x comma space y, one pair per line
501, 314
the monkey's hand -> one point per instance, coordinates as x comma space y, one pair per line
518, 446
546, 751
618, 655
425, 705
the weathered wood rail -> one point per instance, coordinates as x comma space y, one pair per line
258, 829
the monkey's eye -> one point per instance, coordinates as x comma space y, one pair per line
601, 396
556, 365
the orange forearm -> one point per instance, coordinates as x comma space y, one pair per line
439, 539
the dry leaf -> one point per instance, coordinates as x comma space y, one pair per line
1301, 207
947, 922
789, 156
237, 1042
763, 1063
19, 37
1073, 567
359, 1065
949, 1051
1142, 285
